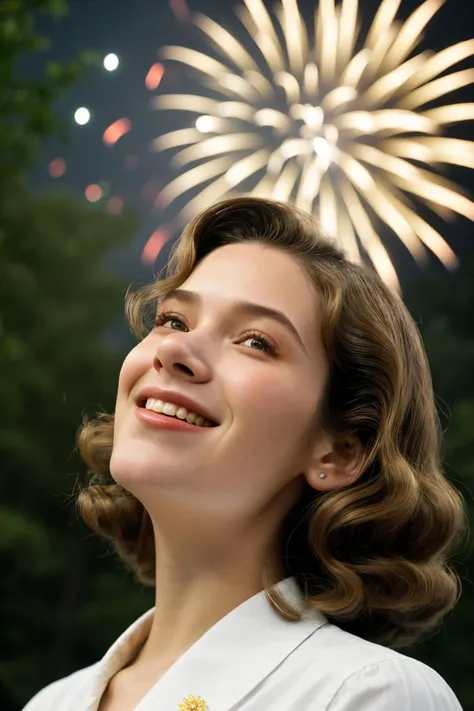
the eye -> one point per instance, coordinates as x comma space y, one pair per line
267, 345
162, 318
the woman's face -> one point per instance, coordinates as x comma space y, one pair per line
263, 402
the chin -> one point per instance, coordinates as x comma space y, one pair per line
135, 466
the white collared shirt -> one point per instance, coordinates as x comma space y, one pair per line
254, 660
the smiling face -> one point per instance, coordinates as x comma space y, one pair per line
211, 352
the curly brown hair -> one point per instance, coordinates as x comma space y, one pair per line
372, 556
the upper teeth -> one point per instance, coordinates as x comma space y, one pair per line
167, 408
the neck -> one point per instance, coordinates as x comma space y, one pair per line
197, 588
207, 564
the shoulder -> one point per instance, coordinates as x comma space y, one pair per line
392, 684
375, 678
58, 691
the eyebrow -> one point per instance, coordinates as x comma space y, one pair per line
244, 307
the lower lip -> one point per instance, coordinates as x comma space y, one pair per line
154, 419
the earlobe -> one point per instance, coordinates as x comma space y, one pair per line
331, 480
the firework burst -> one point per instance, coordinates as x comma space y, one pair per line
303, 114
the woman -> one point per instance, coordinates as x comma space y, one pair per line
305, 537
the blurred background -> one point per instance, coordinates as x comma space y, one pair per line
119, 121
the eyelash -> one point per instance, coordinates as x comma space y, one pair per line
271, 349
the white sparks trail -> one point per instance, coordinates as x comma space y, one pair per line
343, 134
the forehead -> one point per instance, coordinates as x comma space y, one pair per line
257, 268
262, 274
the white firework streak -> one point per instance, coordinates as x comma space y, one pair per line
341, 134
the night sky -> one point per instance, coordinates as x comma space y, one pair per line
129, 169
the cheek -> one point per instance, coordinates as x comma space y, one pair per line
271, 399
133, 368
269, 417
127, 372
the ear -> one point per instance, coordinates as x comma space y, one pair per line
339, 458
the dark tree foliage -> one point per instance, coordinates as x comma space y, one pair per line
63, 597
442, 304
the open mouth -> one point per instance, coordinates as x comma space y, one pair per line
198, 420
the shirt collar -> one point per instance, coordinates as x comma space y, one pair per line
223, 665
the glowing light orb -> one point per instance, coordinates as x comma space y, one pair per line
116, 130
154, 245
111, 62
180, 9
82, 116
154, 76
334, 122
115, 205
205, 124
93, 192
57, 167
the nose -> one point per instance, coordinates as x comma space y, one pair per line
176, 367
176, 356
